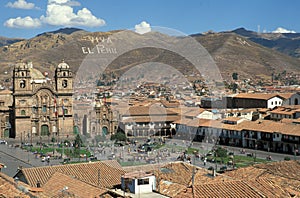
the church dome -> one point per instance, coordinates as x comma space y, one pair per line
36, 74
63, 65
21, 65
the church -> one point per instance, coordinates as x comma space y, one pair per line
41, 107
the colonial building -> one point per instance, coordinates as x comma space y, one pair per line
146, 121
5, 113
42, 107
255, 100
106, 118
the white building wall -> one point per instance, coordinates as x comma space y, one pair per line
145, 188
273, 102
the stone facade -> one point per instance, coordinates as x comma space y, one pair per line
41, 106
5, 113
106, 118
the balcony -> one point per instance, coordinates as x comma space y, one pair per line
288, 140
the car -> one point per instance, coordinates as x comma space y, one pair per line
27, 144
66, 160
3, 142
92, 158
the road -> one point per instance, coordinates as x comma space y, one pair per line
14, 158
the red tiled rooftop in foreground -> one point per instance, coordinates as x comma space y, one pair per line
59, 183
103, 174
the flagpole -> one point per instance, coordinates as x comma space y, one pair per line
63, 119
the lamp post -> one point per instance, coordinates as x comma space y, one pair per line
295, 151
255, 151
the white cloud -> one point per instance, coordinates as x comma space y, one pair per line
61, 14
65, 2
142, 28
58, 13
26, 22
283, 30
21, 4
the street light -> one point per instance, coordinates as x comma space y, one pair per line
295, 151
255, 151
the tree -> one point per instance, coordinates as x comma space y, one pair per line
77, 144
221, 152
235, 76
119, 136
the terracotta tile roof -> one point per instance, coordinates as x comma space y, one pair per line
113, 164
286, 95
176, 172
287, 120
284, 110
149, 110
137, 174
204, 176
193, 112
222, 189
248, 173
59, 182
242, 110
287, 169
269, 126
268, 188
232, 119
258, 96
9, 188
170, 189
171, 104
277, 179
139, 119
183, 121
94, 173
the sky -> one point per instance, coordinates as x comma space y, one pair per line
27, 18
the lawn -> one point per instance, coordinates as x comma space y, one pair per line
238, 160
70, 152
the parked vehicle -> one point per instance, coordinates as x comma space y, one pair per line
3, 142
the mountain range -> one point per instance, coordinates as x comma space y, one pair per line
252, 55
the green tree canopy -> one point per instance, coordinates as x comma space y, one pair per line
119, 136
221, 152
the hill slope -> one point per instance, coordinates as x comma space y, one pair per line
231, 52
234, 53
288, 43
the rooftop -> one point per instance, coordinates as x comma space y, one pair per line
93, 173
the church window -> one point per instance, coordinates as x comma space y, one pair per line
23, 112
44, 109
34, 109
22, 84
64, 83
